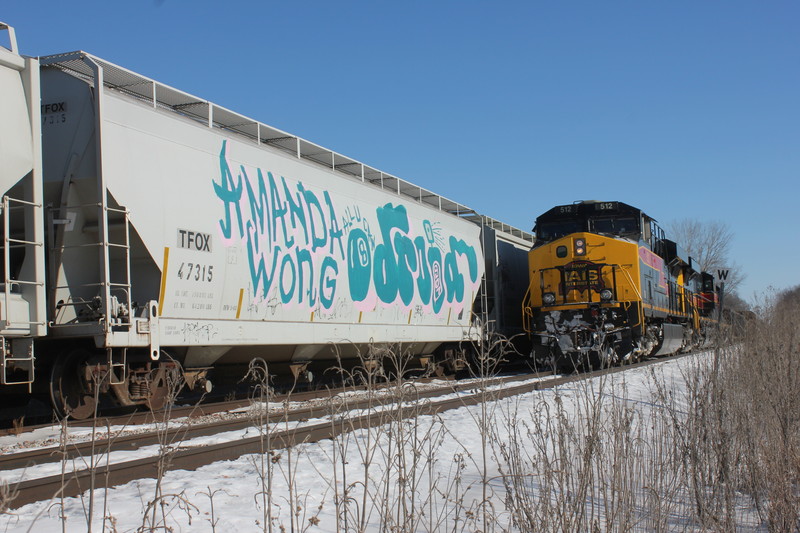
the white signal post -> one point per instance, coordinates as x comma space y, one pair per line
722, 275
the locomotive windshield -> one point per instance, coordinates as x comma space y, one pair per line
615, 226
609, 218
548, 231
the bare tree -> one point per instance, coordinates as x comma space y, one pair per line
735, 302
708, 243
789, 299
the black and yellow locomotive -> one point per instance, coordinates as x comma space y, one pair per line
607, 286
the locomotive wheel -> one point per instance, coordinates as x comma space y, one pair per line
605, 358
629, 353
594, 361
68, 392
610, 355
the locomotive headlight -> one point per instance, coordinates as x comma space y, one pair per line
580, 247
606, 295
548, 298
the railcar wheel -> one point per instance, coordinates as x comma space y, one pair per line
159, 390
68, 387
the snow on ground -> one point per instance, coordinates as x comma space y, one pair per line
447, 470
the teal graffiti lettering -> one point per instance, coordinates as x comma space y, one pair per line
259, 204
426, 224
286, 294
400, 267
458, 246
327, 282
406, 264
286, 255
359, 265
424, 274
296, 209
336, 232
279, 209
453, 279
318, 221
258, 270
229, 194
385, 269
437, 279
303, 258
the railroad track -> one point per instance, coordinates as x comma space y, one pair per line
190, 409
192, 426
178, 452
193, 409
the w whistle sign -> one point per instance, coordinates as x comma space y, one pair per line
722, 275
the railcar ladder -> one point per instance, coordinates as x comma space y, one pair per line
16, 352
486, 327
117, 292
114, 293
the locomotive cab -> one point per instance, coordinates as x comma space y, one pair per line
707, 298
575, 244
602, 218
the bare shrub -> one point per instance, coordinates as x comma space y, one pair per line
262, 392
7, 496
573, 464
162, 505
392, 475
273, 466
740, 438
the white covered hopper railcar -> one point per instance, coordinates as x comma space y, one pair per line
174, 226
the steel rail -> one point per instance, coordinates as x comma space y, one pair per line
183, 431
196, 409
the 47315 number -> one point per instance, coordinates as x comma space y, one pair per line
195, 272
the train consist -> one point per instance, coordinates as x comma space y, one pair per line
607, 286
146, 229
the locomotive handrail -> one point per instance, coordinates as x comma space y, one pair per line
527, 311
631, 282
638, 294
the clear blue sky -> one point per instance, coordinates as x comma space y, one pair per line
684, 109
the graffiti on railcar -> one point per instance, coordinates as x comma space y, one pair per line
308, 251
